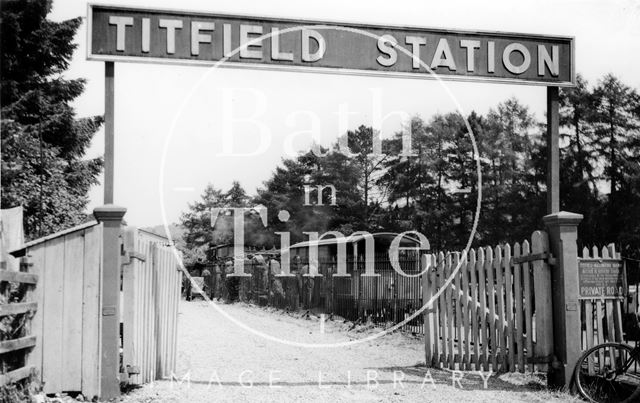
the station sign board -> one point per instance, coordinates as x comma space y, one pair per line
118, 33
601, 278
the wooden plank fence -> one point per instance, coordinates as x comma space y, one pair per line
151, 293
22, 311
601, 319
67, 335
66, 355
495, 313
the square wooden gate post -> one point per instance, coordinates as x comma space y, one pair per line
563, 233
111, 218
109, 137
553, 150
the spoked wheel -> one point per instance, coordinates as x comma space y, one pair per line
608, 373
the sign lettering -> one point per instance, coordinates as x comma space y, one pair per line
133, 34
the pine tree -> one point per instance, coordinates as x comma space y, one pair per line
463, 194
616, 125
209, 222
579, 191
199, 234
406, 178
43, 142
576, 105
368, 167
509, 186
236, 196
284, 191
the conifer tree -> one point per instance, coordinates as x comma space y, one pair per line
44, 168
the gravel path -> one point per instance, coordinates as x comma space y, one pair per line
227, 363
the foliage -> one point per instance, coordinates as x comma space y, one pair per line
18, 392
352, 179
197, 224
615, 121
43, 142
209, 222
435, 191
13, 327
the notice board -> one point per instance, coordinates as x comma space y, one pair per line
601, 278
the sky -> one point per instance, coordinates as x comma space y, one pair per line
168, 131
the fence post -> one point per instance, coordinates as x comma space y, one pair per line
111, 218
129, 298
563, 233
543, 303
426, 296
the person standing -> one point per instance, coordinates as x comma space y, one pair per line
217, 282
276, 292
207, 286
186, 285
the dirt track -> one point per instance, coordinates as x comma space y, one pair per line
227, 363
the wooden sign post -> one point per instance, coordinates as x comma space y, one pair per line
553, 150
109, 137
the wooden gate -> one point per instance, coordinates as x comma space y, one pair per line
150, 297
496, 313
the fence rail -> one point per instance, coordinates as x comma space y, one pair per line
17, 290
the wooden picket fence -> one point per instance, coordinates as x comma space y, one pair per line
496, 313
26, 340
601, 318
151, 293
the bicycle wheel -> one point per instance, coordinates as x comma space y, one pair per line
607, 372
